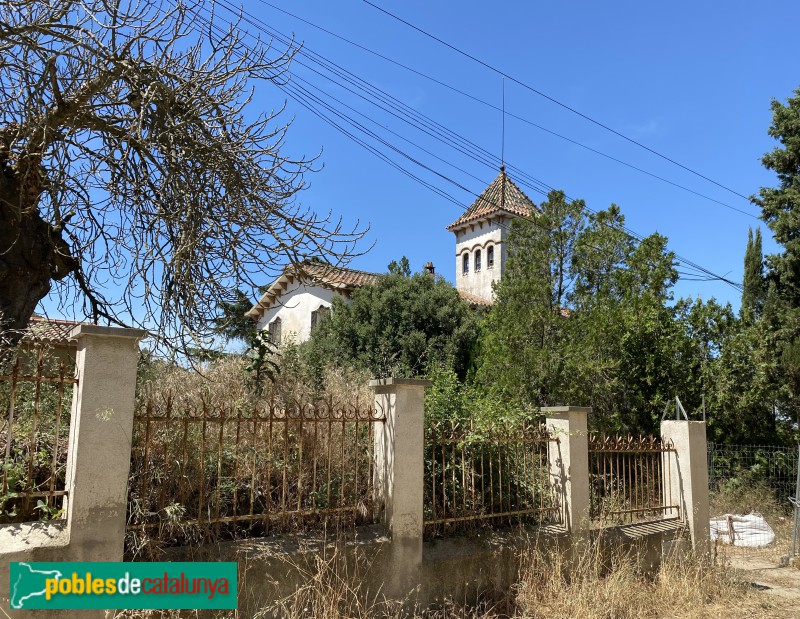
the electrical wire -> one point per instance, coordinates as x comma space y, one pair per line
553, 99
314, 102
499, 109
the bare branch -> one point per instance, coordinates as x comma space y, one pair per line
134, 176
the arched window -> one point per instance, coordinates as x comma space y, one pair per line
477, 260
465, 263
275, 331
490, 257
318, 315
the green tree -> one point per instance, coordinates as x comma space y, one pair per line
649, 334
780, 206
754, 284
231, 322
583, 315
781, 211
402, 326
400, 267
525, 329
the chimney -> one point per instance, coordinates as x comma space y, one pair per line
429, 269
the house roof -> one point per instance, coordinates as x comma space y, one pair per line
339, 276
501, 196
339, 279
336, 278
52, 331
474, 300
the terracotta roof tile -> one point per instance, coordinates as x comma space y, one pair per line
502, 195
474, 299
338, 276
49, 330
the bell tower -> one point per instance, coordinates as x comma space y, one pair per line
481, 234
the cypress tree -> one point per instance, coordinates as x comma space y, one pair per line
754, 284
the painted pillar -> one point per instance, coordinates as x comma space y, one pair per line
100, 441
399, 474
687, 476
569, 466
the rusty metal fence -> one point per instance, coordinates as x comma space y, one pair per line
35, 398
630, 479
200, 473
487, 476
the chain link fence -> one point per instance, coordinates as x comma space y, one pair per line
750, 488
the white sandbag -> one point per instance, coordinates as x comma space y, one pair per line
750, 531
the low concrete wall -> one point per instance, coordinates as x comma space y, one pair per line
463, 570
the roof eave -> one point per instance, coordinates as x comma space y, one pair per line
268, 298
459, 224
273, 293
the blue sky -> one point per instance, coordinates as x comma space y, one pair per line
690, 80
687, 79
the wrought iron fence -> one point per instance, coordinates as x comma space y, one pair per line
487, 476
630, 479
199, 472
35, 397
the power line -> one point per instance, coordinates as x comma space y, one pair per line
499, 109
553, 100
312, 103
353, 79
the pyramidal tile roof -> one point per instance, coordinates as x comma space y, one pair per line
501, 196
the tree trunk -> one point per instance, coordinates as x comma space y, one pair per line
32, 254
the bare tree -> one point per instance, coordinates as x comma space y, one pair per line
131, 179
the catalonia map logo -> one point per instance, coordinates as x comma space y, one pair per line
145, 586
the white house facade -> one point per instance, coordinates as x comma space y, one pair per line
296, 301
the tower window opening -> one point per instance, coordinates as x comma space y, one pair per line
477, 260
465, 264
490, 257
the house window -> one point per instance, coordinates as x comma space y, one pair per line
465, 262
318, 315
477, 260
275, 331
490, 257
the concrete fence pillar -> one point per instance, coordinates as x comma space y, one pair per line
100, 441
569, 466
687, 476
399, 474
98, 461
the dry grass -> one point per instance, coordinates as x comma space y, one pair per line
205, 448
758, 497
618, 587
552, 586
227, 383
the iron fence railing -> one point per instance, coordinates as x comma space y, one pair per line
198, 471
630, 479
35, 397
487, 476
